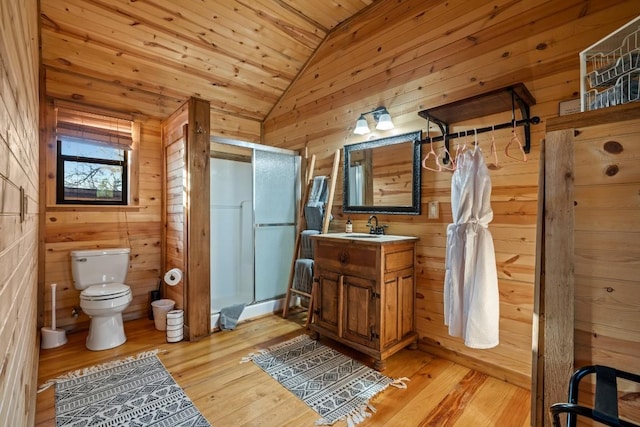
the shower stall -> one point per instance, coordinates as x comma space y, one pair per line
254, 194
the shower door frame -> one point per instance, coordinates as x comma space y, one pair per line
297, 190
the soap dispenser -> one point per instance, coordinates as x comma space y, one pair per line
348, 228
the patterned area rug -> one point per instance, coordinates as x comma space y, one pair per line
334, 385
137, 391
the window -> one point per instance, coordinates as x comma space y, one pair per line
92, 158
92, 174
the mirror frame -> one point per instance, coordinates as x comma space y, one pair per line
414, 209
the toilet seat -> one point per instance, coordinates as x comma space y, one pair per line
105, 292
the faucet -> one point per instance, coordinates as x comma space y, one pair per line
375, 229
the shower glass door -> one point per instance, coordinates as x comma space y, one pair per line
275, 179
231, 233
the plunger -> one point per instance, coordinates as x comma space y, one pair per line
52, 337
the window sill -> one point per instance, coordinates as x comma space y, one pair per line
92, 208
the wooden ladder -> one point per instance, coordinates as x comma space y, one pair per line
302, 224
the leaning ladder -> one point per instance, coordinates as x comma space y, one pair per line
302, 224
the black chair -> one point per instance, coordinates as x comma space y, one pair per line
605, 408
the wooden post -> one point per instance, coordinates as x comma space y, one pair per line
558, 250
197, 248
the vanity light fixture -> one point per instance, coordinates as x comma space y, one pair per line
380, 115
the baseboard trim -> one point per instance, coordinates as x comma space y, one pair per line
483, 366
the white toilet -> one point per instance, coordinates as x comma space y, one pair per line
100, 274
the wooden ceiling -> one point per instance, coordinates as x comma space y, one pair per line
149, 56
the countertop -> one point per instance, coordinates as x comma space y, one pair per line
363, 237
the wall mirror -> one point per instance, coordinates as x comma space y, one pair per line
383, 175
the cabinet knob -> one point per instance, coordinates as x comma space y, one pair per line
344, 257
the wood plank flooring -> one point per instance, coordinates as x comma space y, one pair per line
229, 394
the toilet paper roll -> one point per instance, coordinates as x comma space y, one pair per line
173, 277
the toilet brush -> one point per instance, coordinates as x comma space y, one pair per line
52, 337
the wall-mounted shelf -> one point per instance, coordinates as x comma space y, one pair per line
500, 100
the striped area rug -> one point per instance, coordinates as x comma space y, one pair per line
332, 384
137, 391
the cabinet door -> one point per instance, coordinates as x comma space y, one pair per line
328, 293
397, 312
361, 305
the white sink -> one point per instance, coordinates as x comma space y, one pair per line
383, 238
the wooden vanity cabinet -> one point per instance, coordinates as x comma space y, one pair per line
365, 293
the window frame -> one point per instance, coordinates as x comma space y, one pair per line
62, 158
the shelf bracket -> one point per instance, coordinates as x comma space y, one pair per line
524, 113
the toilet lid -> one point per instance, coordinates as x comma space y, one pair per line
108, 290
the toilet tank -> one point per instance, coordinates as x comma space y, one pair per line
98, 266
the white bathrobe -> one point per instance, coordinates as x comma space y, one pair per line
471, 297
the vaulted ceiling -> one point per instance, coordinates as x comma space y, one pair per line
241, 55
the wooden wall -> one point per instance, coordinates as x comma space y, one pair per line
590, 302
186, 147
18, 233
72, 227
412, 55
173, 214
235, 127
